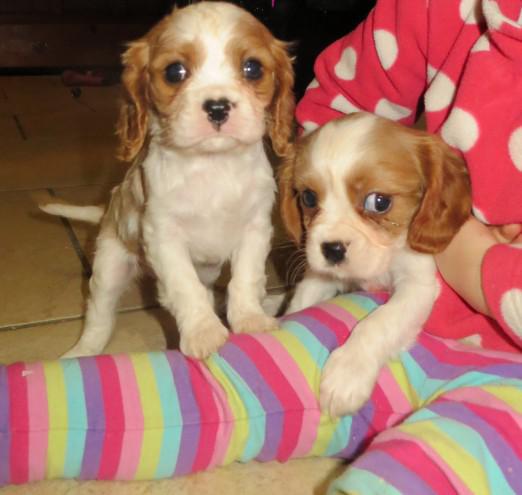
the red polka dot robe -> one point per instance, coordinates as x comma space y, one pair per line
463, 60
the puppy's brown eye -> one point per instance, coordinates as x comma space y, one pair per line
377, 203
176, 72
252, 69
309, 199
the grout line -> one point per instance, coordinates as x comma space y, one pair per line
86, 266
65, 319
20, 127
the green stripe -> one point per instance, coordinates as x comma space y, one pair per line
76, 417
172, 419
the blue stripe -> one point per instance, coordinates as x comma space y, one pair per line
171, 412
76, 417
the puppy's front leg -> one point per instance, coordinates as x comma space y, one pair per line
351, 371
182, 293
247, 285
312, 289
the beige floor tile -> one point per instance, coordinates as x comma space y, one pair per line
41, 273
135, 331
53, 162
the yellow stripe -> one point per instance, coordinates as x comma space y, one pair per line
398, 371
512, 396
312, 373
459, 461
358, 312
58, 426
241, 427
152, 417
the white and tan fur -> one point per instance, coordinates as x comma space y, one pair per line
200, 191
346, 163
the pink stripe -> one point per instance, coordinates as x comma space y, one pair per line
392, 391
481, 397
19, 416
411, 457
226, 421
292, 373
114, 417
340, 314
38, 420
396, 434
133, 414
502, 356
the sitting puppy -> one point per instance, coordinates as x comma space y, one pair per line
202, 89
375, 200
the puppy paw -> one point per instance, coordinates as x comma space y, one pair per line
347, 381
203, 339
254, 322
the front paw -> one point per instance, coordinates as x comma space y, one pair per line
203, 339
347, 381
253, 322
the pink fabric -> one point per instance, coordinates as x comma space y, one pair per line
464, 61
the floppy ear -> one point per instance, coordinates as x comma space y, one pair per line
446, 204
288, 207
281, 120
133, 119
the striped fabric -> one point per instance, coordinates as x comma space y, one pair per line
444, 418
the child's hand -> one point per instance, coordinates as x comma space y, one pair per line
460, 263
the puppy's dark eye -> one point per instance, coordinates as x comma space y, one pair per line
176, 72
309, 199
252, 69
377, 203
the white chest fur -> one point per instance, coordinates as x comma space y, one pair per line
209, 200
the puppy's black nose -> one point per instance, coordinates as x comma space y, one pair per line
217, 111
333, 252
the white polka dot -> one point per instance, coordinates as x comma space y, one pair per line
343, 105
345, 68
440, 93
474, 339
479, 215
387, 48
431, 72
309, 126
313, 84
515, 147
393, 111
494, 16
460, 130
482, 44
469, 11
511, 309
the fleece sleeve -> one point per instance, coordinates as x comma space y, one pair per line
380, 67
502, 286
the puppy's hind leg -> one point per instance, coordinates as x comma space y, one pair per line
113, 269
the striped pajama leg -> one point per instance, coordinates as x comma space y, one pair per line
464, 436
157, 415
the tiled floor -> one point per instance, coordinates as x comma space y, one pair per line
54, 144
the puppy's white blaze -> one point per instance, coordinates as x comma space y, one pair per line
337, 156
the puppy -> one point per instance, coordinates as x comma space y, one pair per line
373, 200
202, 89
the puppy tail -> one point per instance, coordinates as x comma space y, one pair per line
91, 214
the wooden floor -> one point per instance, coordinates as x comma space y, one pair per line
54, 144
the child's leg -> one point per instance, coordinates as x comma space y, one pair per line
160, 414
465, 439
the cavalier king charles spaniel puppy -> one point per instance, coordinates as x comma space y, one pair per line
373, 201
202, 90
